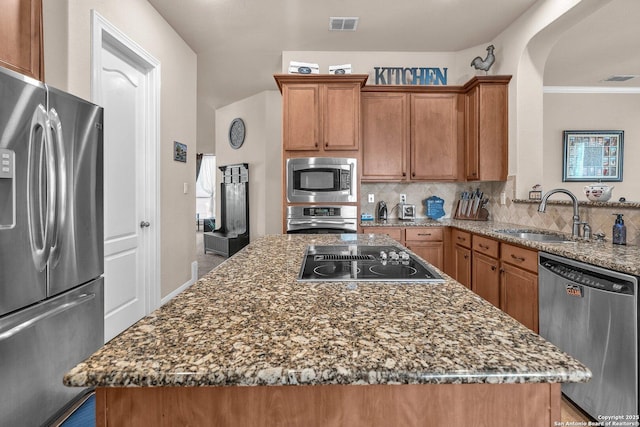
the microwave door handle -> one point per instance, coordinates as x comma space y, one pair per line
40, 228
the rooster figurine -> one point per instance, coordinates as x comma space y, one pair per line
484, 64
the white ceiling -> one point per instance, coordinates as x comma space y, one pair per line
237, 40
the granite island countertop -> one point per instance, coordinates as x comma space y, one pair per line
625, 258
249, 322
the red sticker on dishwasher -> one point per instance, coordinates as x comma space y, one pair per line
574, 290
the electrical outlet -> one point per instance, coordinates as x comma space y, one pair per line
403, 198
371, 198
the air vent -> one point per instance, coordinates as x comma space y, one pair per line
341, 23
620, 78
330, 257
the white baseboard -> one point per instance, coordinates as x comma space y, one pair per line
194, 277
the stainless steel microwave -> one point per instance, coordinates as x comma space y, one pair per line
322, 179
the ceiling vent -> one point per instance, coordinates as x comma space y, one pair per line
619, 78
342, 23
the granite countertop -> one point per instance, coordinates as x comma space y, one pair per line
625, 259
249, 322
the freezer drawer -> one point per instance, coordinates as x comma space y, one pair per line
39, 345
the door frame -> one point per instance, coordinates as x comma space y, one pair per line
104, 34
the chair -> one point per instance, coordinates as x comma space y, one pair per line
233, 233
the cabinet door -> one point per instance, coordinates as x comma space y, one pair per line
432, 252
301, 117
462, 265
486, 278
385, 136
21, 37
341, 116
519, 289
434, 137
487, 131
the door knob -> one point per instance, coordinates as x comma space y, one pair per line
144, 224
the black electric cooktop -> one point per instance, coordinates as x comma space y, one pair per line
343, 263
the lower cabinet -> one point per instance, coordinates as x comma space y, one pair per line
426, 242
486, 278
486, 269
519, 284
461, 257
503, 274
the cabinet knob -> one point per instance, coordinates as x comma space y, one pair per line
493, 268
466, 256
404, 174
413, 174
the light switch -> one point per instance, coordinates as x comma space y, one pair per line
186, 188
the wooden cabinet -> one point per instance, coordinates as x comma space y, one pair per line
519, 284
411, 136
428, 243
486, 269
487, 128
461, 257
21, 37
320, 112
434, 137
396, 233
385, 136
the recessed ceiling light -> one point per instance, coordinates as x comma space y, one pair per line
619, 78
343, 23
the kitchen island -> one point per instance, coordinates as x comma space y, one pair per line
249, 345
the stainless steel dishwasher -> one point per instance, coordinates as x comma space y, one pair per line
591, 313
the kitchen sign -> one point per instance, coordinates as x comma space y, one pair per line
410, 76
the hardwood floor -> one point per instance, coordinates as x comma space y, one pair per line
569, 413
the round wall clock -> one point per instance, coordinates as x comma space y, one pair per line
237, 133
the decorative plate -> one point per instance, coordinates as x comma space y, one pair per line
237, 132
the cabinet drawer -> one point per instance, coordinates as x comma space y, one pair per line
461, 238
424, 234
523, 258
485, 246
393, 232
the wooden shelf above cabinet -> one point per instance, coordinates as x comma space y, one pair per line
319, 78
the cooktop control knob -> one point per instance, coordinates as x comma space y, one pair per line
403, 255
383, 255
393, 255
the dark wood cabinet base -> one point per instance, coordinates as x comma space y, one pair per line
433, 405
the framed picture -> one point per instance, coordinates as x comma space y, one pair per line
592, 155
179, 152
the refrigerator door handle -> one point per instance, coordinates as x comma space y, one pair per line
82, 298
40, 160
60, 203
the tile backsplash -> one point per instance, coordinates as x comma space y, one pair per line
558, 216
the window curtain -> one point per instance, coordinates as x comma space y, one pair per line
205, 187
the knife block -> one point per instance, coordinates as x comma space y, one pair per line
481, 215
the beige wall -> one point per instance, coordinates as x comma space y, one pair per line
589, 111
67, 45
262, 150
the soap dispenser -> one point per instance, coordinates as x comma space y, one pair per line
619, 231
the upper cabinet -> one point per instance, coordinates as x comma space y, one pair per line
487, 128
385, 136
435, 141
436, 133
21, 37
411, 136
321, 112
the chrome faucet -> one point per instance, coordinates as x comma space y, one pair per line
575, 232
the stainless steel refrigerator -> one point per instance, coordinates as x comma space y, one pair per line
51, 245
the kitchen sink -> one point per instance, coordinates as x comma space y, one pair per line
537, 235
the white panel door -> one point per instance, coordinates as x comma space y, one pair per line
123, 99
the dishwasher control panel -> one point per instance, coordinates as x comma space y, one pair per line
589, 278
